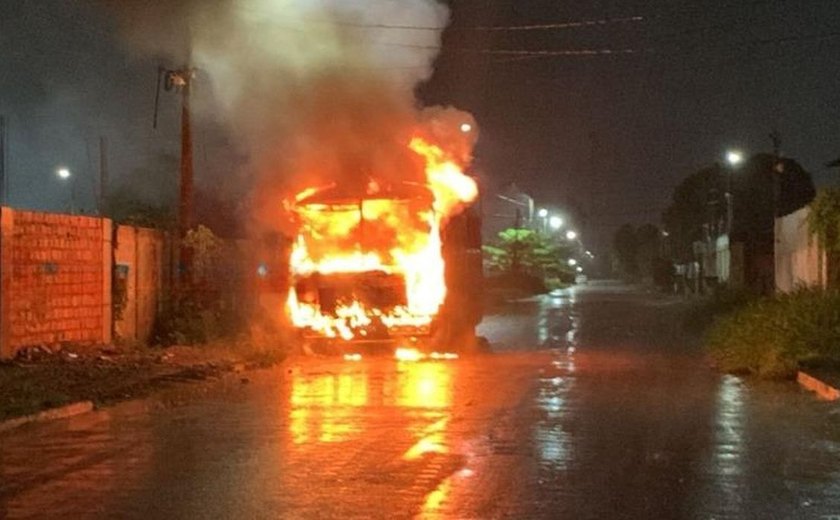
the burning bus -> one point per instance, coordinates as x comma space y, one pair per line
396, 263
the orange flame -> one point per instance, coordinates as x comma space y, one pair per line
395, 236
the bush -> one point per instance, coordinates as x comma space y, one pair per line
772, 337
196, 318
722, 302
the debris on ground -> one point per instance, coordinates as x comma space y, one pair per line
40, 378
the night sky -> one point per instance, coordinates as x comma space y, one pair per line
608, 136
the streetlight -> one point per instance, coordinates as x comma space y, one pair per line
543, 214
579, 269
734, 158
572, 262
65, 174
571, 235
555, 223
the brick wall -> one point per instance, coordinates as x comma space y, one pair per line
56, 280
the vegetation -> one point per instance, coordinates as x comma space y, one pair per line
124, 208
638, 252
824, 223
530, 260
205, 308
686, 217
772, 337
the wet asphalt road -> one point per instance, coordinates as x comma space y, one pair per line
594, 405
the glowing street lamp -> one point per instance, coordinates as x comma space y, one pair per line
65, 174
579, 269
571, 235
572, 262
734, 157
542, 213
555, 223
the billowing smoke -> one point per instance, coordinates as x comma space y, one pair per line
312, 92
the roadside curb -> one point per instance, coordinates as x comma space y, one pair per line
61, 412
823, 390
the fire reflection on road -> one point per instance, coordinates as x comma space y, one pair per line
321, 406
324, 405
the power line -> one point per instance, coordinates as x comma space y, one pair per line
525, 54
574, 24
560, 25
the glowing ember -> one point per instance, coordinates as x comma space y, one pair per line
408, 354
372, 261
443, 355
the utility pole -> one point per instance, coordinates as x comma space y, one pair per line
2, 161
103, 174
180, 81
776, 179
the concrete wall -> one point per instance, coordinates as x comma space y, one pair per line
799, 260
141, 274
56, 280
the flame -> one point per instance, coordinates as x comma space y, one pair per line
450, 186
395, 237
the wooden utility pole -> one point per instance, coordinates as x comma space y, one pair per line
181, 81
186, 191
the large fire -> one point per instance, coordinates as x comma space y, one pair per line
361, 263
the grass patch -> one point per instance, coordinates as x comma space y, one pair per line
773, 337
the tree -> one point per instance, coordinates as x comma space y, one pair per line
146, 197
763, 187
639, 255
824, 223
689, 212
525, 251
124, 207
626, 248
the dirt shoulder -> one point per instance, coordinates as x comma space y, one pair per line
43, 380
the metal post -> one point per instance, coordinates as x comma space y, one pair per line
103, 175
2, 161
729, 202
73, 194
